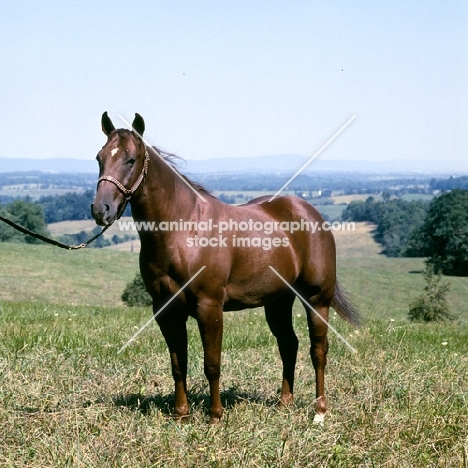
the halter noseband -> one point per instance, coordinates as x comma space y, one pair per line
128, 193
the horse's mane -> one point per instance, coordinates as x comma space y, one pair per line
174, 160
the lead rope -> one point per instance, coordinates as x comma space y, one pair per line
48, 240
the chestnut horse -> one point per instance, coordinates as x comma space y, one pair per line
236, 273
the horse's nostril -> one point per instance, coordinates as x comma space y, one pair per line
99, 210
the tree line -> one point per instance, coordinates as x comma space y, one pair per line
449, 184
437, 230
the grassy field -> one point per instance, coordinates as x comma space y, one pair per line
340, 199
68, 399
45, 274
72, 227
417, 196
330, 212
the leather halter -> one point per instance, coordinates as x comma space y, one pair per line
128, 193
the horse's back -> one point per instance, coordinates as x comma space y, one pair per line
287, 204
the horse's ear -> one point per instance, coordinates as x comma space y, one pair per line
138, 125
106, 124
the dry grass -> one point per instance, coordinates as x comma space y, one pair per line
358, 243
68, 399
72, 227
340, 199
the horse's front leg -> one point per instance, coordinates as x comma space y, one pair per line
173, 326
210, 323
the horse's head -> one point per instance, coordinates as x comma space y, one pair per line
123, 162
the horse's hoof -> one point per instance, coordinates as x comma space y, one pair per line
319, 418
286, 400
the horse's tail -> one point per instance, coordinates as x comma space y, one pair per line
343, 305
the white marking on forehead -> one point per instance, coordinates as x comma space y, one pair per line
114, 151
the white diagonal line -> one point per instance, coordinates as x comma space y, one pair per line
160, 310
312, 158
162, 159
311, 308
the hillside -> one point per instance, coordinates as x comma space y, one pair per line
40, 273
381, 287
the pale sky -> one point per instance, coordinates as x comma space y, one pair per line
237, 78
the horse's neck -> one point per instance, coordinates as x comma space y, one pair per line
164, 195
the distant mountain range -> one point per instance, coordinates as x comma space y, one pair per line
290, 163
285, 163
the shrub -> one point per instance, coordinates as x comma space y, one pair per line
432, 305
26, 214
135, 294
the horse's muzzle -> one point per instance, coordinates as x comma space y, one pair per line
101, 214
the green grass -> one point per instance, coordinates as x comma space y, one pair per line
67, 398
332, 212
417, 196
384, 287
47, 274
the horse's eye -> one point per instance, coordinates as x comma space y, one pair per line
131, 162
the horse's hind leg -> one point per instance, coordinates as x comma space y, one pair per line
318, 326
279, 318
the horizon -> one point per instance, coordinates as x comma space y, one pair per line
253, 164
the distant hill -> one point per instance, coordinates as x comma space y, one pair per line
283, 163
290, 163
